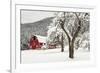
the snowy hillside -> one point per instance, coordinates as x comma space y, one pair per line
38, 27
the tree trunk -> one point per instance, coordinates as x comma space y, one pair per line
62, 44
71, 45
71, 49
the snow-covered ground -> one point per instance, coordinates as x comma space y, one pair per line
52, 55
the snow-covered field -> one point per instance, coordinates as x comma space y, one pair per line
52, 55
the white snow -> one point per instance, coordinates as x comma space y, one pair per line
41, 38
52, 55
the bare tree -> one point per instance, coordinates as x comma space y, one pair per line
71, 39
72, 25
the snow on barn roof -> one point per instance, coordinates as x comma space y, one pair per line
41, 38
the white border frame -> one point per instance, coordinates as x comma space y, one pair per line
15, 31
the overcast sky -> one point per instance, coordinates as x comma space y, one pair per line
33, 16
